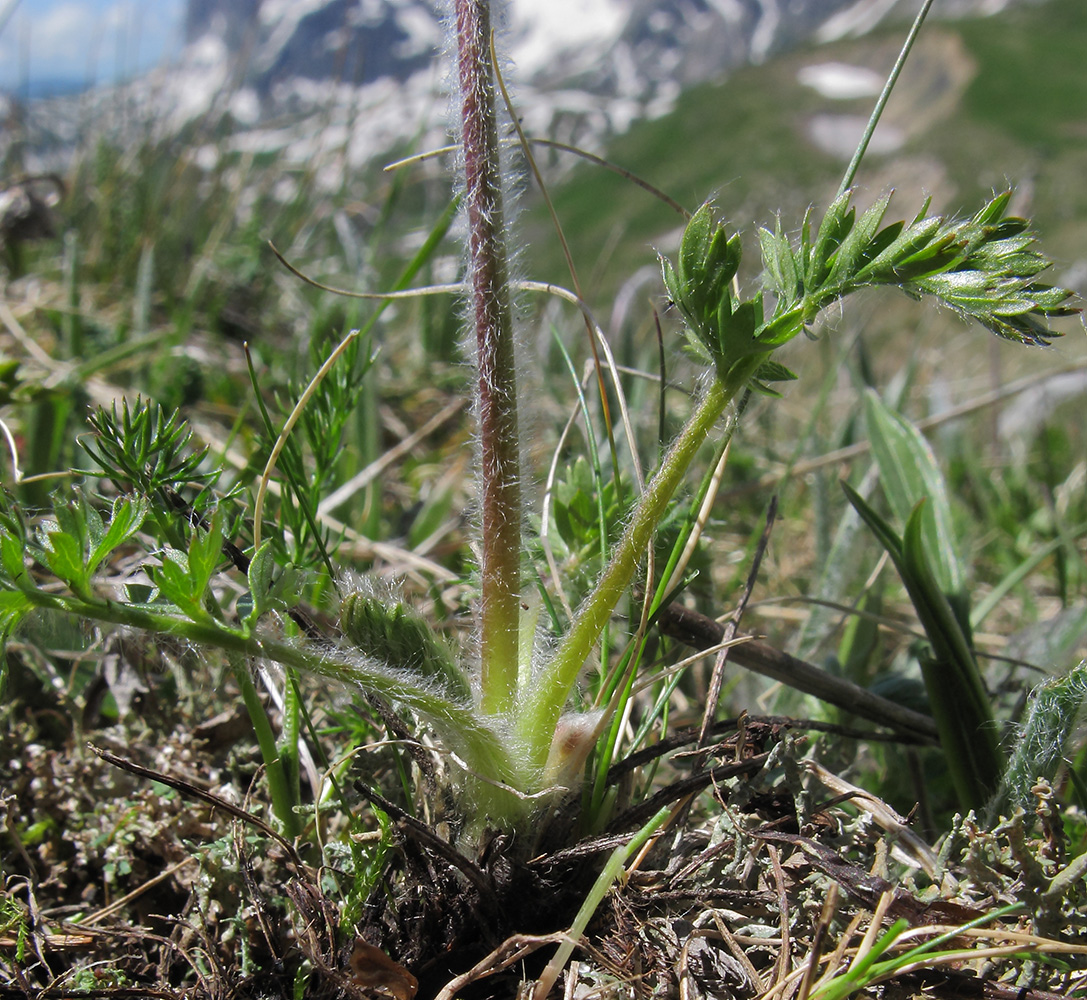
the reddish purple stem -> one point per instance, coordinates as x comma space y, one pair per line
491, 314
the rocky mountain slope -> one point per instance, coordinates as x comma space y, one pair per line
358, 77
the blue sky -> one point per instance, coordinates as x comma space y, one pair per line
84, 40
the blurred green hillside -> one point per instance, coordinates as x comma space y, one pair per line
982, 103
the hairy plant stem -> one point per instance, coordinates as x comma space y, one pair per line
279, 784
492, 318
539, 717
459, 725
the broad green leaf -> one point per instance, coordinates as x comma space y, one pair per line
261, 570
968, 742
883, 531
957, 698
13, 605
860, 637
908, 474
125, 520
64, 556
1054, 639
175, 583
943, 627
12, 555
205, 554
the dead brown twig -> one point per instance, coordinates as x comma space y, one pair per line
513, 949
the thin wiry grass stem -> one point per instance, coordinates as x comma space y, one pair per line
881, 103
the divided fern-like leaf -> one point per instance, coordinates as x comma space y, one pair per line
396, 636
985, 268
147, 447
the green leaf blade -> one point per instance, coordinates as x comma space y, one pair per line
126, 519
909, 473
64, 556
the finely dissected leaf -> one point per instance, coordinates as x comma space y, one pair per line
836, 224
145, 446
396, 636
856, 247
992, 280
985, 267
908, 474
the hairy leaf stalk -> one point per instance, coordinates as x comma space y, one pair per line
462, 729
492, 317
546, 700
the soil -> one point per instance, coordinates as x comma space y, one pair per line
165, 883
